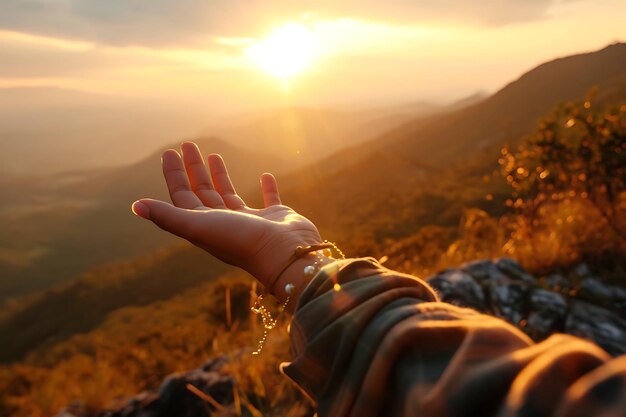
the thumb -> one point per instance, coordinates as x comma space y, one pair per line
175, 220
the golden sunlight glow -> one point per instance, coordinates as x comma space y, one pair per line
287, 51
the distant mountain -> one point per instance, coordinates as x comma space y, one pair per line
513, 110
49, 130
304, 135
78, 220
45, 130
468, 101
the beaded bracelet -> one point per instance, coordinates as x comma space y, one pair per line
322, 249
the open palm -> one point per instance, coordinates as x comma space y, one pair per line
209, 213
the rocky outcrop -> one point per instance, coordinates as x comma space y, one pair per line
540, 307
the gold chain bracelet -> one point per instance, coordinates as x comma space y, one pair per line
269, 322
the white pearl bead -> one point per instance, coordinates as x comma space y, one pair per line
289, 288
309, 270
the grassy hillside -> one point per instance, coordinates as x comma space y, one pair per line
83, 303
134, 348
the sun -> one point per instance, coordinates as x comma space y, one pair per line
286, 52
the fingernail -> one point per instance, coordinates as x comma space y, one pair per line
141, 210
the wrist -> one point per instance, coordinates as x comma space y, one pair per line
277, 255
296, 276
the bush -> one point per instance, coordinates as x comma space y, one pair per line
568, 187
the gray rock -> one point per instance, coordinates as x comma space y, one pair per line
481, 270
145, 404
619, 300
597, 324
509, 298
514, 270
174, 395
559, 283
215, 364
593, 290
75, 409
547, 314
582, 271
456, 287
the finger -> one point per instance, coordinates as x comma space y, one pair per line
177, 181
269, 187
179, 221
199, 178
222, 182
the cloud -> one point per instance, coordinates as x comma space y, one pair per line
158, 23
25, 62
113, 22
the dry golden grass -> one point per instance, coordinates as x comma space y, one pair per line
135, 348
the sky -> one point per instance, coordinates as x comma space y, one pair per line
368, 51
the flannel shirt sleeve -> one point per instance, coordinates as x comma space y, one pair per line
368, 341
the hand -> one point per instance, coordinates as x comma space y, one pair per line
208, 213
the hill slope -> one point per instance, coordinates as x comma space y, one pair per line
445, 154
83, 303
510, 112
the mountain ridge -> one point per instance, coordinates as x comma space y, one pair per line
414, 157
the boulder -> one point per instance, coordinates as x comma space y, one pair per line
457, 287
547, 313
514, 270
176, 399
481, 270
598, 324
592, 289
509, 298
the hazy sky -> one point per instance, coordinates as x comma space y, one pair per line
365, 51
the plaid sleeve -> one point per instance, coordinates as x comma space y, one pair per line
368, 341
